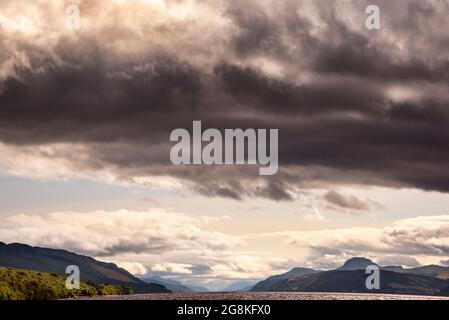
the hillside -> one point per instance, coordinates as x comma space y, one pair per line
172, 285
351, 277
240, 286
21, 256
430, 270
354, 281
19, 284
357, 263
265, 285
196, 288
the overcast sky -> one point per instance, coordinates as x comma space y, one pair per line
86, 115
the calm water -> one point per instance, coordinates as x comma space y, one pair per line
266, 296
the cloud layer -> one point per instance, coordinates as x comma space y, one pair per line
158, 241
403, 242
102, 233
167, 243
345, 99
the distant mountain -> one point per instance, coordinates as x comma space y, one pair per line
357, 263
172, 285
351, 277
196, 288
23, 256
240, 286
266, 284
394, 268
430, 270
354, 281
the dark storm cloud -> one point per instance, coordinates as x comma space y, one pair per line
85, 102
338, 121
344, 50
249, 87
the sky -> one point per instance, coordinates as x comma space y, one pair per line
86, 115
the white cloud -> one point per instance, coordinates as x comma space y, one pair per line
180, 268
127, 29
158, 241
102, 233
43, 161
64, 161
161, 241
133, 267
426, 238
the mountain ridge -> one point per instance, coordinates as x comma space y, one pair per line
351, 277
23, 256
264, 285
240, 286
357, 263
173, 285
353, 281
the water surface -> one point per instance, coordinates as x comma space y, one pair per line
266, 296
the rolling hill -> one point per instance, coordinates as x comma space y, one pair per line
430, 270
354, 281
351, 277
239, 286
173, 285
23, 256
357, 263
266, 284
